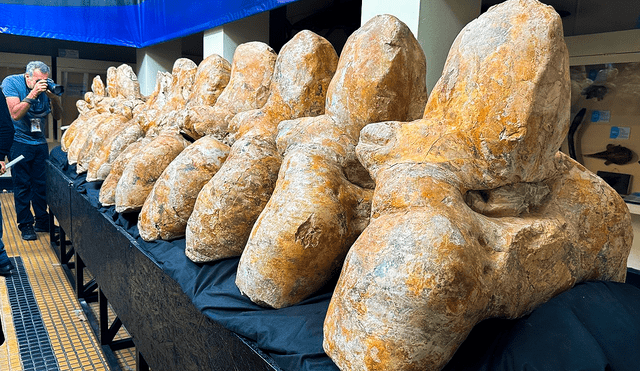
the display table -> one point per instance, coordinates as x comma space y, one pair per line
187, 316
165, 326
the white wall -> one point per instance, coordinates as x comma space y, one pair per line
223, 40
435, 23
154, 59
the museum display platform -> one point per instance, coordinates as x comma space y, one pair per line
183, 315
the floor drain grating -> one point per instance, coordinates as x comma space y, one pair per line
36, 352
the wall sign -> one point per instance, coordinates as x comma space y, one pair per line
619, 132
600, 116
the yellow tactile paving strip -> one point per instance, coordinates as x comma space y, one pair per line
70, 334
9, 353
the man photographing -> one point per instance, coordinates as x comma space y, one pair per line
30, 101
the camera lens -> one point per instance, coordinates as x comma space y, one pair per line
55, 89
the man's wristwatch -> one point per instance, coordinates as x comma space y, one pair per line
29, 100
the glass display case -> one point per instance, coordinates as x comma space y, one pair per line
605, 83
605, 111
605, 105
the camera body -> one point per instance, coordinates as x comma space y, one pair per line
55, 89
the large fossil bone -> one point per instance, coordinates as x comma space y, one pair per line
166, 210
112, 146
102, 133
431, 265
319, 205
109, 149
253, 84
122, 94
142, 171
80, 139
248, 89
107, 196
155, 103
210, 78
183, 76
83, 128
85, 111
231, 201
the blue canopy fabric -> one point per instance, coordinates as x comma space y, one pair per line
129, 23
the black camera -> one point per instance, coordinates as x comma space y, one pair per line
55, 89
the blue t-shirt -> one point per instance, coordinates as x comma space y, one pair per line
26, 130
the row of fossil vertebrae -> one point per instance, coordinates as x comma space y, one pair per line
256, 158
306, 166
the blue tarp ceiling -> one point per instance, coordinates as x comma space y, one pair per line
133, 23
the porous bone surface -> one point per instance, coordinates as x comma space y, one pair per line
475, 213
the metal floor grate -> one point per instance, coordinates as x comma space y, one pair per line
35, 348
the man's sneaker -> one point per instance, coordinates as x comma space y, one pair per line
28, 233
5, 270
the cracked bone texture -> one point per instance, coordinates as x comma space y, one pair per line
123, 92
248, 88
231, 201
120, 151
155, 102
85, 111
99, 166
122, 82
450, 243
212, 77
202, 85
116, 106
84, 128
166, 210
92, 145
97, 86
99, 160
82, 106
319, 205
112, 82
182, 78
77, 125
107, 195
127, 83
97, 107
142, 171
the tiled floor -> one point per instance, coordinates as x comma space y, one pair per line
44, 311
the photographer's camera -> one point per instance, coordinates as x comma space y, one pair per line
54, 88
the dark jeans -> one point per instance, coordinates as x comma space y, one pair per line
30, 183
4, 259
